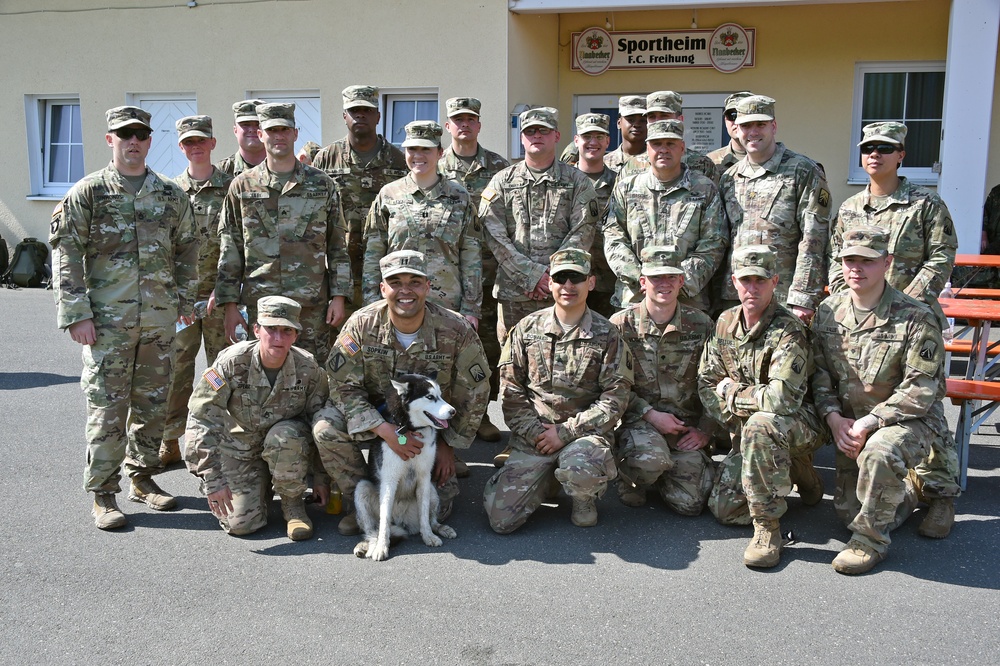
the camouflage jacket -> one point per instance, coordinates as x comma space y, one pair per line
783, 203
580, 380
247, 397
233, 165
442, 224
725, 157
282, 241
603, 186
206, 201
476, 177
645, 211
630, 165
367, 356
891, 364
529, 217
770, 365
666, 363
123, 258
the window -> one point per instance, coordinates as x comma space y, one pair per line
399, 109
55, 144
911, 93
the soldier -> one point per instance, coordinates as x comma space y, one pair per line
361, 164
308, 152
398, 335
632, 124
661, 442
206, 186
669, 204
732, 152
271, 390
780, 198
124, 271
283, 234
591, 139
251, 151
753, 380
426, 212
466, 161
878, 383
565, 378
922, 242
668, 105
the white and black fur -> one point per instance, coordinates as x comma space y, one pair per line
399, 498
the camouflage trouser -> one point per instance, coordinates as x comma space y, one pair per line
488, 324
511, 312
314, 336
186, 346
341, 455
754, 479
583, 467
938, 471
126, 375
282, 459
645, 458
873, 495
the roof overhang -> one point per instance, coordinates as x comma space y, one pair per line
573, 6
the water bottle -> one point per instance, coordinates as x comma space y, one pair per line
334, 506
200, 312
948, 333
241, 332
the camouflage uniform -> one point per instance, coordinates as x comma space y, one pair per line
666, 379
286, 241
440, 223
766, 410
687, 213
364, 360
578, 379
783, 203
273, 441
602, 297
725, 157
233, 165
206, 201
890, 366
630, 165
127, 260
246, 110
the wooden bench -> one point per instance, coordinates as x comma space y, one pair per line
977, 292
967, 394
964, 346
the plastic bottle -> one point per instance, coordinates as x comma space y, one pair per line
948, 333
335, 504
200, 312
241, 332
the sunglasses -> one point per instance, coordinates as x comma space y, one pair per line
731, 115
572, 276
880, 148
532, 131
126, 133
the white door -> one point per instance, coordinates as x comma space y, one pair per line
307, 115
164, 155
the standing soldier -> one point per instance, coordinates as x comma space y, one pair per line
668, 204
732, 152
668, 105
283, 235
206, 186
361, 164
251, 151
124, 267
632, 124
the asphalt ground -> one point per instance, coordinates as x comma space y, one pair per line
645, 586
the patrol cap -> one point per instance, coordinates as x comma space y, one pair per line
572, 259
310, 148
403, 261
360, 96
276, 114
665, 101
755, 108
631, 105
543, 116
458, 105
246, 111
278, 311
865, 241
889, 132
128, 116
665, 129
194, 126
754, 260
735, 98
661, 260
423, 133
593, 122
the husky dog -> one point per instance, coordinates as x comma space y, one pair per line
399, 498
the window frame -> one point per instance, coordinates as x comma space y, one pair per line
388, 97
38, 113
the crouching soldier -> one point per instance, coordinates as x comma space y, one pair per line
271, 390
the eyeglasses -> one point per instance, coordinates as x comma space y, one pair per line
731, 115
880, 148
126, 133
532, 131
572, 276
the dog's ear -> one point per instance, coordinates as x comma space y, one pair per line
432, 375
400, 387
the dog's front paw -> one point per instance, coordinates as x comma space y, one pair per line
446, 531
361, 550
379, 552
431, 540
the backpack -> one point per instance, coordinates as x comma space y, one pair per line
4, 256
27, 267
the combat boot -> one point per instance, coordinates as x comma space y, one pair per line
487, 431
145, 490
764, 550
940, 518
170, 452
807, 481
500, 459
300, 527
584, 512
856, 558
631, 495
348, 525
461, 469
107, 515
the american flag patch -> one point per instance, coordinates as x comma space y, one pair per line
214, 379
349, 345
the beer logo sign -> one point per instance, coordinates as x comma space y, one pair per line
593, 51
729, 48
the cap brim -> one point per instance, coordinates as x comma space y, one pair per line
537, 123
861, 251
247, 119
662, 270
592, 128
880, 137
131, 122
668, 135
359, 102
278, 321
661, 109
191, 133
576, 268
753, 118
405, 269
426, 143
759, 271
458, 112
276, 122
631, 111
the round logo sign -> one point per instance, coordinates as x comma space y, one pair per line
594, 51
729, 48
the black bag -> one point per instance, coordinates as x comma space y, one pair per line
4, 256
27, 267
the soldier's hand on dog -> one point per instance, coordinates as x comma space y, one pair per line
411, 446
220, 503
444, 463
548, 442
